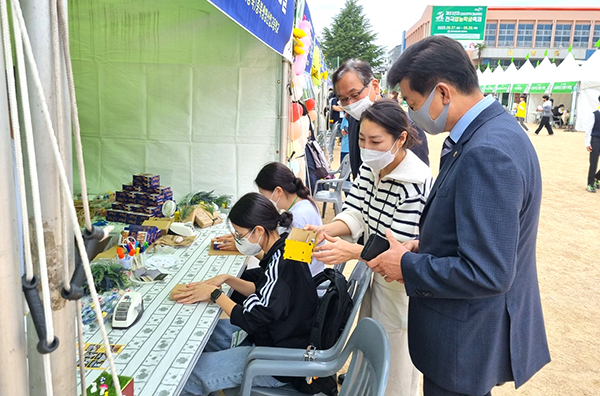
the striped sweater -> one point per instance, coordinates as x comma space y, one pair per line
395, 202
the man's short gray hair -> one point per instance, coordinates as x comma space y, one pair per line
361, 68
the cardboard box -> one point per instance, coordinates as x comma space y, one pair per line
162, 223
131, 187
299, 245
157, 190
203, 218
147, 180
118, 216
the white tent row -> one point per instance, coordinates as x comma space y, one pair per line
577, 87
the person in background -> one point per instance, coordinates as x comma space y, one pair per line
287, 192
475, 317
522, 112
592, 144
394, 95
334, 113
344, 149
388, 194
557, 113
565, 117
277, 182
357, 89
278, 310
546, 116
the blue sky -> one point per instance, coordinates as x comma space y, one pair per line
390, 18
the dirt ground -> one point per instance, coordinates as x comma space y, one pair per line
568, 260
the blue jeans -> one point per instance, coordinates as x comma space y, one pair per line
222, 367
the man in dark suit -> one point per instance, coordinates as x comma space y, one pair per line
475, 316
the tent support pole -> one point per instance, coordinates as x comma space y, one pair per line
285, 111
37, 19
13, 345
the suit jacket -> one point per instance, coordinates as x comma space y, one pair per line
475, 315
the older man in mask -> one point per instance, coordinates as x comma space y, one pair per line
357, 89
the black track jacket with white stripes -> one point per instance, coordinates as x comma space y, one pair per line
280, 313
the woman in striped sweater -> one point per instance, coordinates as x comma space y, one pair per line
389, 193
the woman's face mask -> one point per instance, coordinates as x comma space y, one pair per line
377, 160
273, 201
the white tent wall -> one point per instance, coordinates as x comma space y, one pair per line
587, 103
589, 90
173, 88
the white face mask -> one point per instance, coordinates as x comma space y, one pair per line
423, 120
248, 248
377, 160
357, 108
274, 202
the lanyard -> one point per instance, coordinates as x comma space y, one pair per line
373, 195
295, 199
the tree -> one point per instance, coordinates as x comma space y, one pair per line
479, 47
350, 36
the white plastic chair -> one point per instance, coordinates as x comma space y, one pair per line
367, 374
359, 280
331, 190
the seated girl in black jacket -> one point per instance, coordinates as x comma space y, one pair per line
278, 310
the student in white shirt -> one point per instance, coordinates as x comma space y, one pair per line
287, 192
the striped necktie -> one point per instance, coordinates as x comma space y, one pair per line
448, 145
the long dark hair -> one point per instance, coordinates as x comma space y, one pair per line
253, 210
388, 114
275, 174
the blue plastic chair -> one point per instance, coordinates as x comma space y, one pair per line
367, 374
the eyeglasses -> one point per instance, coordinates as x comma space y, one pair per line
353, 97
237, 237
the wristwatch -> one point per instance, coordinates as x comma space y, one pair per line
215, 294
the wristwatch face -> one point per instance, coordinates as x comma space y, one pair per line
215, 294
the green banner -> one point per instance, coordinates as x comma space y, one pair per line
519, 88
481, 87
539, 87
465, 24
502, 88
564, 87
489, 89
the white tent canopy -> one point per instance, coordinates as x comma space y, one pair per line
589, 90
561, 83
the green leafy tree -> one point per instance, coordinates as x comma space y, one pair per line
350, 36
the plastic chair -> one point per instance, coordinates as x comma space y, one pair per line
331, 190
359, 280
367, 374
330, 140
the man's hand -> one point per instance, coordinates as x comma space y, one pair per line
336, 251
412, 245
195, 292
387, 264
589, 148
